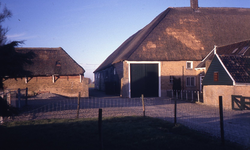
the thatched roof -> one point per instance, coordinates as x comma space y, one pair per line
183, 34
51, 61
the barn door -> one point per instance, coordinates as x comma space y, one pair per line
144, 80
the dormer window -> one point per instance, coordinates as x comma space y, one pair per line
58, 63
189, 65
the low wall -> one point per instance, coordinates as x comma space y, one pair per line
64, 85
212, 93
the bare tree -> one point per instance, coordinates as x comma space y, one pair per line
11, 62
4, 14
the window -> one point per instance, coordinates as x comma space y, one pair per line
216, 76
190, 81
243, 50
58, 63
189, 65
171, 79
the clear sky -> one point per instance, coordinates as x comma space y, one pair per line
88, 30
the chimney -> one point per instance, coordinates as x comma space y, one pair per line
194, 4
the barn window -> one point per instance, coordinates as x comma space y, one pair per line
58, 63
216, 76
190, 81
189, 65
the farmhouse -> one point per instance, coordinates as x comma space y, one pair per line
228, 73
53, 70
168, 48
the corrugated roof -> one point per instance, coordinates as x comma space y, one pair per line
183, 34
51, 61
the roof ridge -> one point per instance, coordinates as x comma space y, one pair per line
39, 48
234, 43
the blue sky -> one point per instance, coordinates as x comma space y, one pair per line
88, 30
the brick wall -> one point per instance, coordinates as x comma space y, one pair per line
212, 93
168, 68
125, 81
177, 69
64, 85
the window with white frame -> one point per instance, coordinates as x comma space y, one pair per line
190, 81
189, 65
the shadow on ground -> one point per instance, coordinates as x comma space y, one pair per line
97, 93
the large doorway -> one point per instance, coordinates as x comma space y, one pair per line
144, 80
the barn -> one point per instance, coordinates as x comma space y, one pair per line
170, 48
52, 70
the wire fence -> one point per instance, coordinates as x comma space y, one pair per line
193, 115
186, 95
16, 98
114, 107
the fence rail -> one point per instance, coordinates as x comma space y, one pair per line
240, 102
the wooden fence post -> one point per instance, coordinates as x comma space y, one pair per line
221, 120
192, 94
242, 102
181, 94
19, 98
198, 96
175, 109
78, 105
26, 97
143, 105
100, 129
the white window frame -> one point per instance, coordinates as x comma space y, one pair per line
189, 84
191, 65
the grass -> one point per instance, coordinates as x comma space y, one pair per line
125, 133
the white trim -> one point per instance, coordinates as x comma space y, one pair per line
202, 68
53, 78
144, 62
191, 64
213, 50
225, 69
80, 78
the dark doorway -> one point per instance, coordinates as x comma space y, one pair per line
144, 80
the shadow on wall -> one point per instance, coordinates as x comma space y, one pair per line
12, 63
